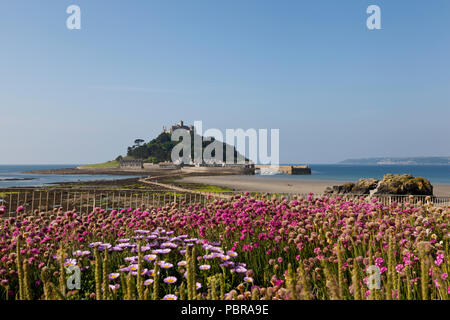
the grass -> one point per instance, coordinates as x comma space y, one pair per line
4, 194
108, 164
213, 189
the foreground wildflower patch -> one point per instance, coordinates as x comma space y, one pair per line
242, 248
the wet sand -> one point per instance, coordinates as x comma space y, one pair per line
264, 184
283, 184
105, 171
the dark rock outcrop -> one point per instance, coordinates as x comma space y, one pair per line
345, 188
399, 184
364, 186
404, 184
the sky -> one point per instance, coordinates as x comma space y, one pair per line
311, 69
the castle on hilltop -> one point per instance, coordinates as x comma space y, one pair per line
179, 125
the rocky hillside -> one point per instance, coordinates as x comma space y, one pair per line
160, 149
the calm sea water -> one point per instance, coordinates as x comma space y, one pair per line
437, 174
17, 172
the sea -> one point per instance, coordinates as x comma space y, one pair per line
437, 174
8, 172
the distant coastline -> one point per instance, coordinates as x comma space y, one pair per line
399, 161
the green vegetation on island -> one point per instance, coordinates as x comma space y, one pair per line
155, 151
107, 164
160, 148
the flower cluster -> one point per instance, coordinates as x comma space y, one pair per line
313, 248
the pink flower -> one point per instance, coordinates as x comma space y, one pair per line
406, 261
439, 259
399, 268
279, 283
20, 209
394, 294
379, 262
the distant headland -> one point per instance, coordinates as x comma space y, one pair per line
399, 161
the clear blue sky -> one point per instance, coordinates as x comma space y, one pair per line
309, 68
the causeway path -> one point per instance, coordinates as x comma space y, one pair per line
149, 180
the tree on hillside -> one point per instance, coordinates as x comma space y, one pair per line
138, 142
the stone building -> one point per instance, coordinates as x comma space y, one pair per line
179, 125
131, 164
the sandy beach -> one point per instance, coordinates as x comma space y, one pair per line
283, 184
